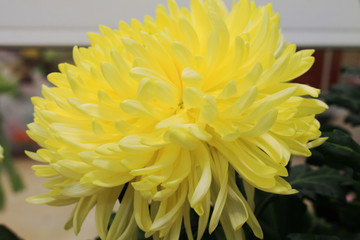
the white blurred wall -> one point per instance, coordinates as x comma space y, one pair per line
315, 23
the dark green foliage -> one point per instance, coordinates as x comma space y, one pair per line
7, 234
300, 236
325, 189
339, 151
284, 215
310, 182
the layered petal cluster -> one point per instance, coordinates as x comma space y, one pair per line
163, 115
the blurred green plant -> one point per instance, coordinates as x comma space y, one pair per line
7, 234
7, 87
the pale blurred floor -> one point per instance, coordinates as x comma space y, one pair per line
38, 222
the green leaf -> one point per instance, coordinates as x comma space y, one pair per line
283, 215
349, 215
342, 139
300, 236
343, 215
324, 181
339, 151
7, 234
351, 237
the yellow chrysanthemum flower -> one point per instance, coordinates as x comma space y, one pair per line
166, 113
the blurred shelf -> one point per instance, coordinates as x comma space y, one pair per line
315, 23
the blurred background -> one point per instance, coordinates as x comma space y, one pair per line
37, 35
